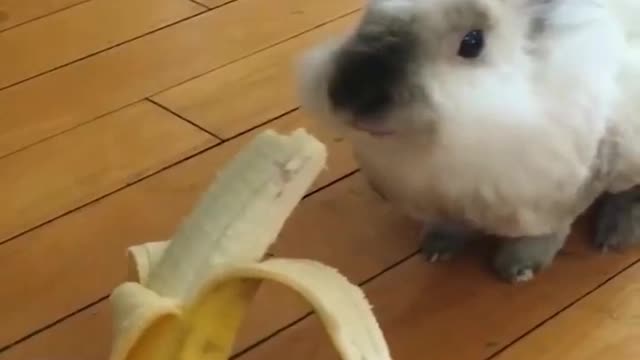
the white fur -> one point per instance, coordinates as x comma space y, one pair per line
625, 128
516, 138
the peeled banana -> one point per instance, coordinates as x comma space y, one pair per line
191, 292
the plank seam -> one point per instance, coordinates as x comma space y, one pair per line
175, 163
254, 53
71, 128
221, 141
187, 18
269, 120
562, 310
111, 192
106, 297
128, 184
40, 17
53, 324
310, 313
260, 50
84, 57
214, 6
203, 5
183, 119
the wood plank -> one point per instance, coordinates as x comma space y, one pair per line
16, 12
456, 310
459, 309
91, 331
67, 171
156, 62
218, 101
604, 325
82, 30
89, 244
358, 251
274, 307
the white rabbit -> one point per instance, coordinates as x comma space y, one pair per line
500, 117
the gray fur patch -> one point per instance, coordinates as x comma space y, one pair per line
519, 260
537, 27
539, 23
444, 241
618, 220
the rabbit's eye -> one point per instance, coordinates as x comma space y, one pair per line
472, 44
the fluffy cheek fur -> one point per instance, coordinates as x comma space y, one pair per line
314, 70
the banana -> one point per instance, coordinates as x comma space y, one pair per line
189, 294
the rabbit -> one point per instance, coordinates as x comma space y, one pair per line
506, 118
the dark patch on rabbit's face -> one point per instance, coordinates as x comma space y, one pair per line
537, 27
371, 68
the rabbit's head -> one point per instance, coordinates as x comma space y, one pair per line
415, 66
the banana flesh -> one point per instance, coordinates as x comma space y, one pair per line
190, 293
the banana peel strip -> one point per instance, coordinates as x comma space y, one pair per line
191, 292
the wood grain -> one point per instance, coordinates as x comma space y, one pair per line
90, 244
319, 230
454, 310
123, 75
604, 325
83, 30
16, 12
274, 306
65, 172
218, 101
88, 337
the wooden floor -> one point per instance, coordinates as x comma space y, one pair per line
114, 116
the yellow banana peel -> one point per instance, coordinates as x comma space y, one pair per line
191, 292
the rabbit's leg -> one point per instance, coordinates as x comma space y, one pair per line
443, 241
520, 259
618, 220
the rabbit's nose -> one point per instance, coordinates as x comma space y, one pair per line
363, 86
366, 76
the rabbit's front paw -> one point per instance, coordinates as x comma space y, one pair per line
519, 260
443, 242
